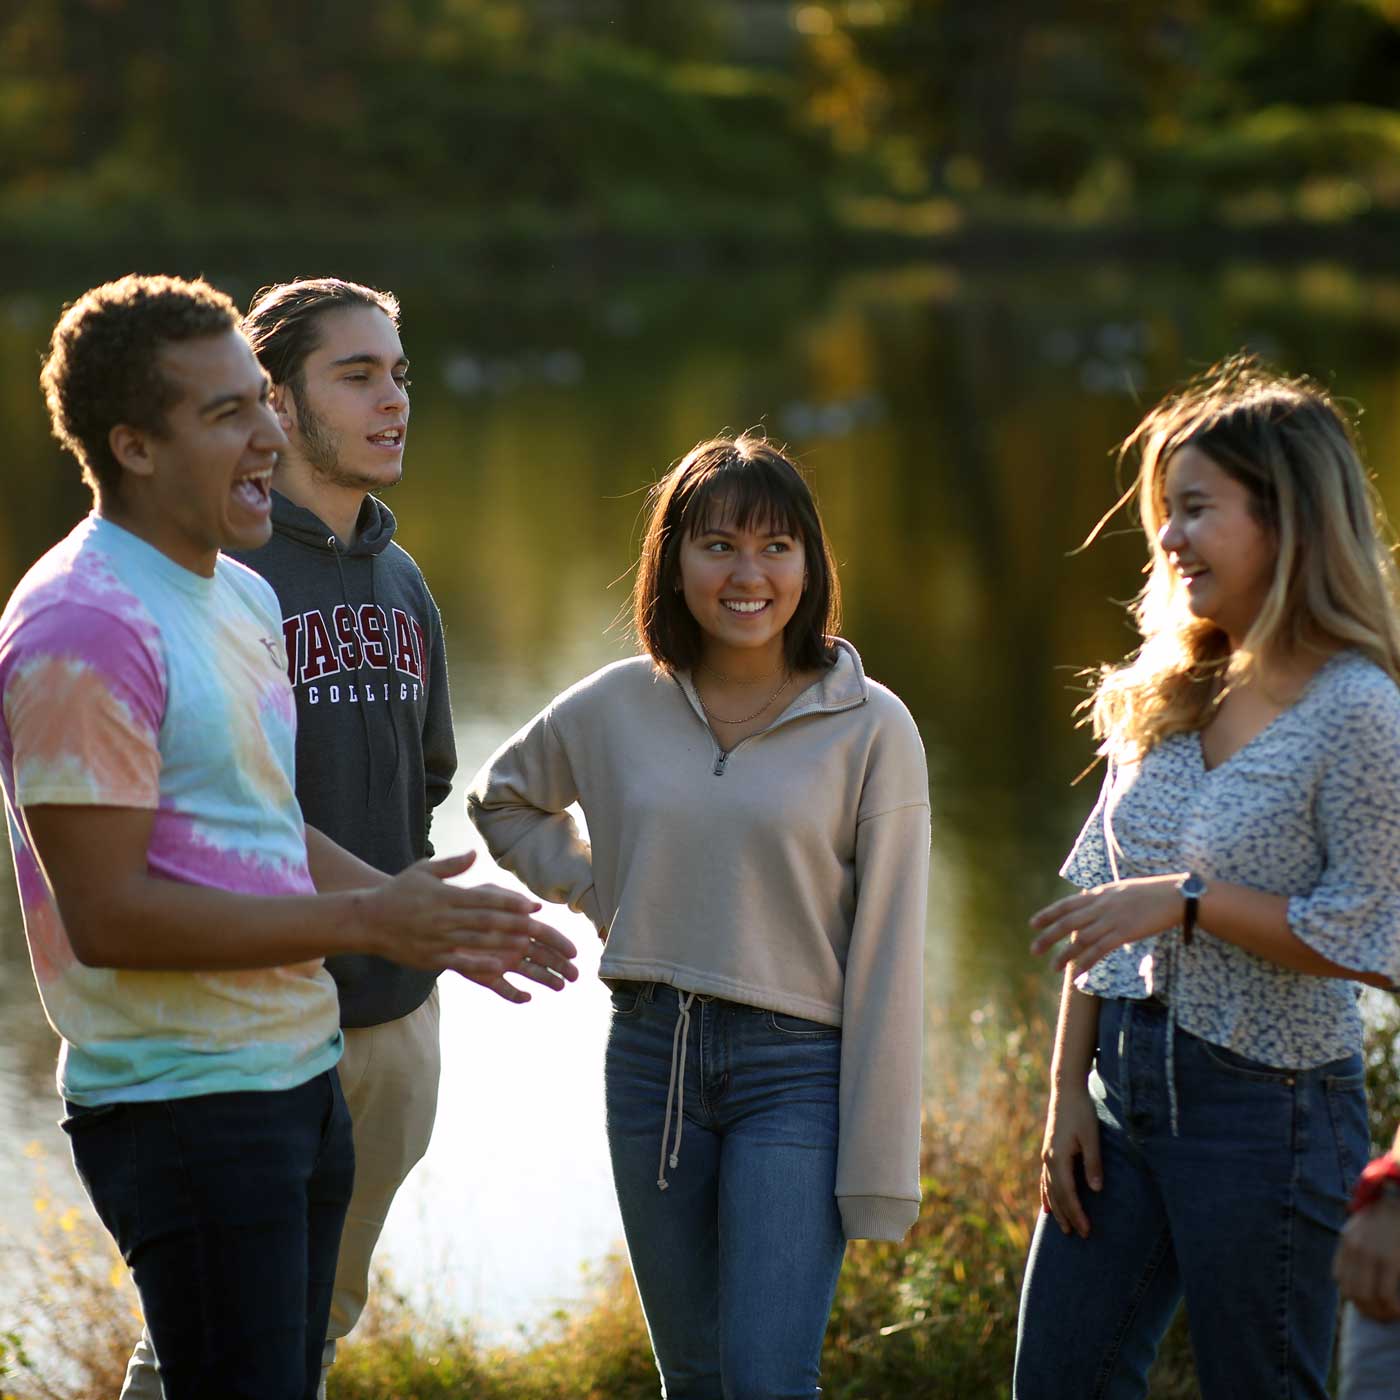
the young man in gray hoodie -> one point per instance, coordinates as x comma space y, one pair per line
375, 752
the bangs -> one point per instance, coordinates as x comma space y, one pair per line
741, 496
744, 485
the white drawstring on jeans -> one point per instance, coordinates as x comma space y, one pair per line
675, 1089
1169, 960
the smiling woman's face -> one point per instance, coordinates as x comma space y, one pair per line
742, 586
1222, 553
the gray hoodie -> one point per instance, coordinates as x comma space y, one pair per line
375, 751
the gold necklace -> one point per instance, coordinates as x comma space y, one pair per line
711, 715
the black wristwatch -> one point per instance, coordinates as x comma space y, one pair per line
1193, 889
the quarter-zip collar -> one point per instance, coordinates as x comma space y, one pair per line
842, 687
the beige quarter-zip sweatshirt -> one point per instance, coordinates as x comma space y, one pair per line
789, 873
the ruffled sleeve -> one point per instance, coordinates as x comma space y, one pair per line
1352, 915
1088, 862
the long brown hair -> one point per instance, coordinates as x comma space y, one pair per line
1334, 584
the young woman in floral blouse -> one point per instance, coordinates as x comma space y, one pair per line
1240, 874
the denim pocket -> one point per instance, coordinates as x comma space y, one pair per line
1346, 1110
800, 1028
626, 998
1242, 1067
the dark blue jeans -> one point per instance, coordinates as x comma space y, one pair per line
1239, 1213
227, 1208
736, 1260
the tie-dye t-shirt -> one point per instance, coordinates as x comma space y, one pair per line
128, 681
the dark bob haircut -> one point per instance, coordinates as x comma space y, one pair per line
743, 482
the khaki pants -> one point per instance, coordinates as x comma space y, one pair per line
389, 1075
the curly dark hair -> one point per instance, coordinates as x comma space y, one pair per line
282, 324
103, 366
744, 479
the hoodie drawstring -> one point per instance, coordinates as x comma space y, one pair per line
333, 545
675, 1088
393, 723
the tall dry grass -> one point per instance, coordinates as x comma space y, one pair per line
75, 1314
932, 1317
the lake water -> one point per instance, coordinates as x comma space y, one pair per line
958, 429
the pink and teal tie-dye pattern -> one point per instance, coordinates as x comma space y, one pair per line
128, 681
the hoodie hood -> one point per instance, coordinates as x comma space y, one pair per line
374, 529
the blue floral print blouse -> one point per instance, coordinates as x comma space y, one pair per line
1309, 808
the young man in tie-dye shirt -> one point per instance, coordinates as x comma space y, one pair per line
168, 883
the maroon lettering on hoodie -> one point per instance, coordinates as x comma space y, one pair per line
321, 659
404, 660
348, 636
291, 636
376, 636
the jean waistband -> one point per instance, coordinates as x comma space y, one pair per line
680, 1039
652, 990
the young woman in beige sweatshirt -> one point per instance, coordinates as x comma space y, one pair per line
758, 817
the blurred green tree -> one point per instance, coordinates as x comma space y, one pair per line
682, 118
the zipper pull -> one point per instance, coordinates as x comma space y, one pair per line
719, 764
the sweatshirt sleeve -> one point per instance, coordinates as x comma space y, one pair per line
439, 744
882, 1042
517, 803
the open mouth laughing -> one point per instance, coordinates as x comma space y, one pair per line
254, 490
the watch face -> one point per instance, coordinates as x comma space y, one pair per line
1193, 887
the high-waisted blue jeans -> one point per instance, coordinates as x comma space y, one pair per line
228, 1209
1239, 1212
736, 1260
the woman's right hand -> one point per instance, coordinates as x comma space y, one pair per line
1071, 1132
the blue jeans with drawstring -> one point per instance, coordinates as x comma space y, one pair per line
1238, 1212
736, 1259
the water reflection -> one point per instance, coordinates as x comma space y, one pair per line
958, 429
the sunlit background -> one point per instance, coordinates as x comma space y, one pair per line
947, 252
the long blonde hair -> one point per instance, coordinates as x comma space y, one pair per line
1334, 582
